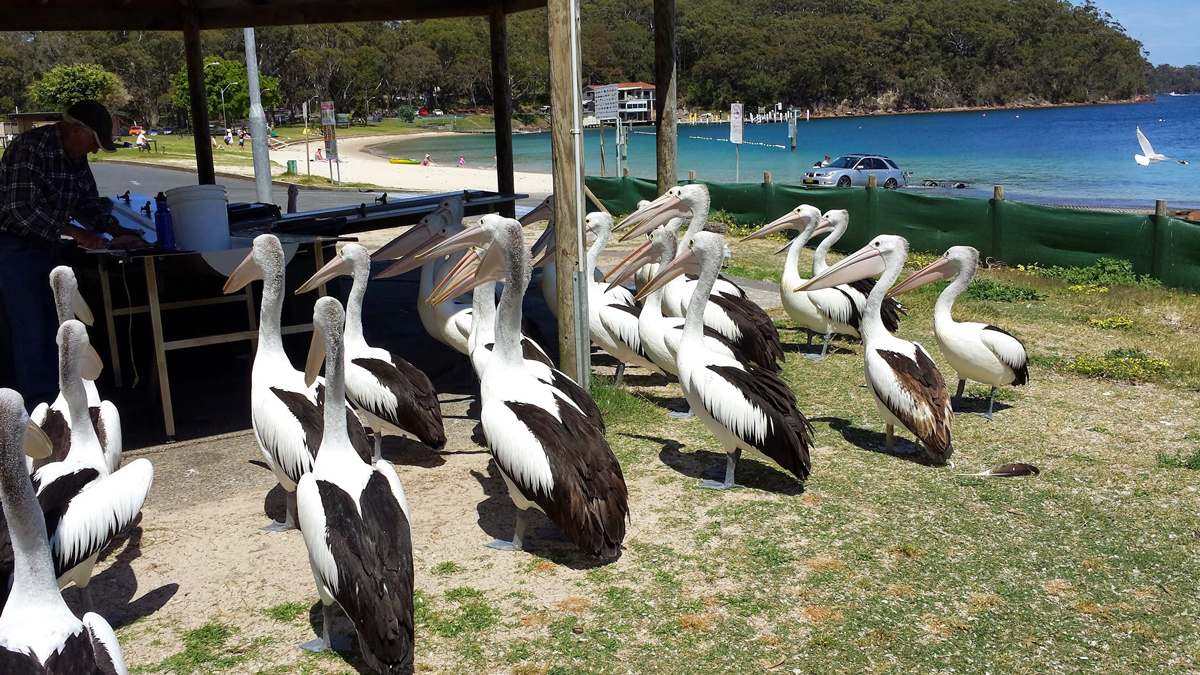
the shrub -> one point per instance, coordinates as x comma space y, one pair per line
1125, 365
990, 289
1112, 322
1180, 461
406, 113
916, 259
1104, 272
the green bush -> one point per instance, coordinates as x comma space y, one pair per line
990, 289
1180, 461
406, 113
1111, 322
1104, 272
1125, 365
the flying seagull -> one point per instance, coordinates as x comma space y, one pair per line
1150, 155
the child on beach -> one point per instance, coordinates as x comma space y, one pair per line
462, 161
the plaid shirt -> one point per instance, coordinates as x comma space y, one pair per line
41, 189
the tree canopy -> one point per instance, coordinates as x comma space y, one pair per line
65, 86
820, 54
1167, 79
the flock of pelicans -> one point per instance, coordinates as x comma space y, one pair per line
66, 495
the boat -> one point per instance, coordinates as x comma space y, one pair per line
401, 160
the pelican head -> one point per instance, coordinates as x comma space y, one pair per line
264, 260
956, 260
883, 251
352, 260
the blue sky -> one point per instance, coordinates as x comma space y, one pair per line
1166, 28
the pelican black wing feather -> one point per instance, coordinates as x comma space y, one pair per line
372, 545
589, 501
580, 397
760, 340
58, 430
1020, 367
74, 658
530, 352
54, 499
788, 437
891, 310
417, 408
930, 415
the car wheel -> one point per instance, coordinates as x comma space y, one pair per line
844, 181
891, 184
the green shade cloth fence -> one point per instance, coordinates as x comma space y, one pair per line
1013, 232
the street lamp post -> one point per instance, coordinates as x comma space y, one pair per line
224, 117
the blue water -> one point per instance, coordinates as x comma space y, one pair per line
1078, 155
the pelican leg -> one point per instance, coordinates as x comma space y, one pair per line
86, 595
676, 415
289, 520
339, 644
518, 534
810, 337
620, 373
378, 446
991, 405
824, 350
731, 461
962, 385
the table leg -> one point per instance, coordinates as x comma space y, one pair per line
110, 322
160, 354
318, 263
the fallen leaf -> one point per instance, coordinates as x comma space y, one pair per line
1017, 512
578, 630
771, 665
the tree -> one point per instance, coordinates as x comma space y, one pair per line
229, 75
65, 86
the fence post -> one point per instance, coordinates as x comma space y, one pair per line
1161, 222
872, 181
997, 222
692, 176
766, 176
998, 192
625, 172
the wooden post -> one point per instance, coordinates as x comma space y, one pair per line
998, 193
502, 95
692, 175
766, 176
566, 146
205, 172
625, 172
1160, 207
664, 101
872, 181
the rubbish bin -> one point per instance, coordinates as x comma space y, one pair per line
291, 166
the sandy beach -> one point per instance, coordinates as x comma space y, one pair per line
359, 165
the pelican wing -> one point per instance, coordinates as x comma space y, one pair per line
1147, 150
107, 422
1009, 350
398, 393
621, 322
105, 648
913, 390
94, 512
756, 336
53, 421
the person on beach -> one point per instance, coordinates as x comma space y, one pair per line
241, 140
228, 139
462, 161
427, 161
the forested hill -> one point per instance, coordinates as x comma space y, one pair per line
820, 54
1166, 79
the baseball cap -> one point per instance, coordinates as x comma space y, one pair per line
96, 117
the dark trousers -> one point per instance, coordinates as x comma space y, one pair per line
25, 265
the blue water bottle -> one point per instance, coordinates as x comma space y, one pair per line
163, 225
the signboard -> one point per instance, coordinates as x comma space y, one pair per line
607, 105
329, 127
735, 123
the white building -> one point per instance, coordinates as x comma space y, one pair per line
636, 100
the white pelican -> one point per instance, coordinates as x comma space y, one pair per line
1148, 155
857, 291
660, 335
612, 313
448, 322
284, 411
730, 312
977, 351
906, 384
86, 506
552, 457
53, 418
746, 407
547, 280
389, 391
356, 522
38, 632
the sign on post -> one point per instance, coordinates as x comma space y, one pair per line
329, 127
607, 106
735, 123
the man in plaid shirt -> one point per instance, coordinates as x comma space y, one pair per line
45, 181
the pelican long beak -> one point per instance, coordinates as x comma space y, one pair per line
788, 221
332, 269
245, 273
472, 236
543, 241
630, 265
863, 263
37, 443
671, 207
938, 270
683, 263
90, 364
316, 356
637, 216
411, 261
413, 239
489, 268
81, 309
543, 211
460, 275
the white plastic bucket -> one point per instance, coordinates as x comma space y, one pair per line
199, 215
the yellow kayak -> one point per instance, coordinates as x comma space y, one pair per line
398, 160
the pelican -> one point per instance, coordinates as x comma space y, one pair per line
660, 335
53, 418
284, 410
448, 322
857, 291
977, 351
356, 522
483, 333
552, 457
612, 313
905, 383
1148, 155
389, 391
730, 312
38, 632
746, 407
548, 280
86, 506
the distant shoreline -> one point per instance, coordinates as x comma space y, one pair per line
983, 108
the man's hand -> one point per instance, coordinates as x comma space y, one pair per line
120, 231
85, 238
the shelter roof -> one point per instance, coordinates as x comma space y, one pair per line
175, 15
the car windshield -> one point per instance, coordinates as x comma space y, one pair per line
847, 162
